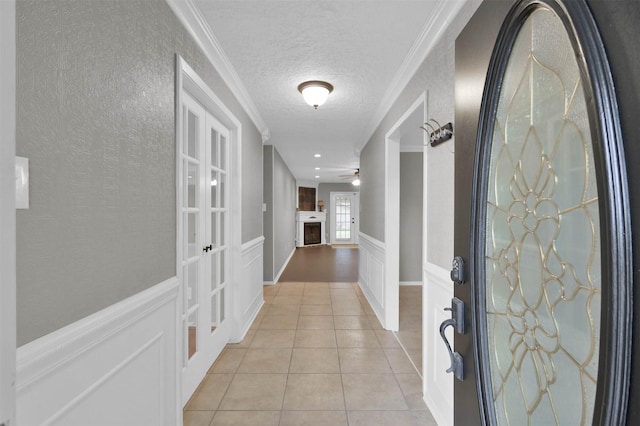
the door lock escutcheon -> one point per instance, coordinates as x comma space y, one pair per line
456, 321
457, 271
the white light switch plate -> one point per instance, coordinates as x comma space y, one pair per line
22, 183
264, 207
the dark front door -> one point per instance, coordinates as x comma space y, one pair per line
546, 95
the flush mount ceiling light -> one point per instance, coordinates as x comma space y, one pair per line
315, 92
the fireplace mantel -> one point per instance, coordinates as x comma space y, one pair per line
309, 217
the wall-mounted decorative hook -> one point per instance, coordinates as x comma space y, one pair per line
439, 134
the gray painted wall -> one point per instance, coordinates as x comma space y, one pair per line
436, 76
280, 218
95, 117
411, 216
284, 212
267, 216
324, 194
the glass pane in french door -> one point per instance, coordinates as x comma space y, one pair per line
343, 217
542, 252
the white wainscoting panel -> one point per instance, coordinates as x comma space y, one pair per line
118, 366
437, 383
248, 294
371, 273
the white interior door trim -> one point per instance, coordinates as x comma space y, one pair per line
7, 211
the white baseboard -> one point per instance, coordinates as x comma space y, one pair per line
284, 266
411, 283
117, 366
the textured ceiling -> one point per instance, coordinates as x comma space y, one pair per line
356, 45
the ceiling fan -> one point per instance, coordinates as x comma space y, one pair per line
354, 177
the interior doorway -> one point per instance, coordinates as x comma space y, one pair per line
404, 226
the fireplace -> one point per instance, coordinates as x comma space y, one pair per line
312, 233
310, 228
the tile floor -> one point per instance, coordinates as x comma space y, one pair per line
410, 329
316, 355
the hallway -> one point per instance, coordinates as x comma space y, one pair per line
316, 355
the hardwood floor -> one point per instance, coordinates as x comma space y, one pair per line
322, 264
316, 355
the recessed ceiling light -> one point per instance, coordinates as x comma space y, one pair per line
317, 155
317, 168
317, 177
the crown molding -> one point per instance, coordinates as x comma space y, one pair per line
191, 17
444, 14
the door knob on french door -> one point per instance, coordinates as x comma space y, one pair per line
207, 248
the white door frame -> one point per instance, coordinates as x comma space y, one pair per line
7, 211
392, 216
187, 79
356, 217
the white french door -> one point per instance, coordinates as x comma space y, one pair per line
344, 217
204, 220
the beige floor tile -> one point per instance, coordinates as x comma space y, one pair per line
266, 360
270, 290
255, 392
416, 357
352, 322
287, 300
268, 299
246, 418
348, 308
315, 339
315, 360
411, 386
340, 285
315, 322
375, 324
410, 322
347, 293
283, 310
363, 360
410, 383
197, 418
316, 310
314, 392
273, 339
387, 339
411, 339
298, 284
399, 361
228, 361
279, 322
356, 339
373, 392
210, 392
316, 300
291, 291
314, 284
391, 418
313, 418
317, 291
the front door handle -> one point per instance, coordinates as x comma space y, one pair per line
456, 321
